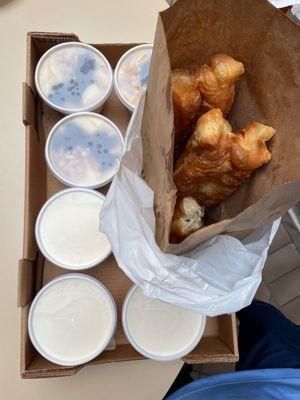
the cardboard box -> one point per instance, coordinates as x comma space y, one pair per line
219, 343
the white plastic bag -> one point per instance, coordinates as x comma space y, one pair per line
219, 276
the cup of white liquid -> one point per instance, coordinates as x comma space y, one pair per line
159, 330
67, 229
131, 74
72, 319
84, 150
73, 77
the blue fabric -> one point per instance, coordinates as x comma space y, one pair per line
269, 347
267, 384
267, 339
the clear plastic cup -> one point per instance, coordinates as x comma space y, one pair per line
72, 319
67, 229
84, 150
158, 330
131, 74
73, 77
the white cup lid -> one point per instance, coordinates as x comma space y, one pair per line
158, 330
131, 74
67, 229
72, 319
73, 77
84, 150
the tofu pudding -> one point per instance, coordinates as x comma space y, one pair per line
67, 229
73, 77
159, 330
84, 150
72, 319
131, 74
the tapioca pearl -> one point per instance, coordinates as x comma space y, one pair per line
88, 65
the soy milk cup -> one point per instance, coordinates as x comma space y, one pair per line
131, 74
73, 77
67, 229
84, 150
72, 319
159, 330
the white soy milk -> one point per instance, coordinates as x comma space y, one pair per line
67, 229
84, 150
72, 319
73, 77
160, 330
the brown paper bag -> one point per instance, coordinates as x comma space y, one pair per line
268, 44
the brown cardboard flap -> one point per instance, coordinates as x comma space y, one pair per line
227, 325
27, 350
210, 350
35, 178
52, 37
25, 282
267, 42
42, 368
29, 106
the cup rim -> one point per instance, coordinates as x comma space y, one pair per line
52, 134
39, 241
121, 97
157, 357
102, 348
65, 110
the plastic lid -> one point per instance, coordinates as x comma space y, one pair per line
84, 150
73, 77
67, 229
159, 330
131, 74
72, 319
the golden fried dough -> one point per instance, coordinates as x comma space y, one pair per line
186, 104
217, 82
187, 218
216, 161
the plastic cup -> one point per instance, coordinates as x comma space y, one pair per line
67, 229
72, 319
131, 75
158, 330
73, 77
84, 150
